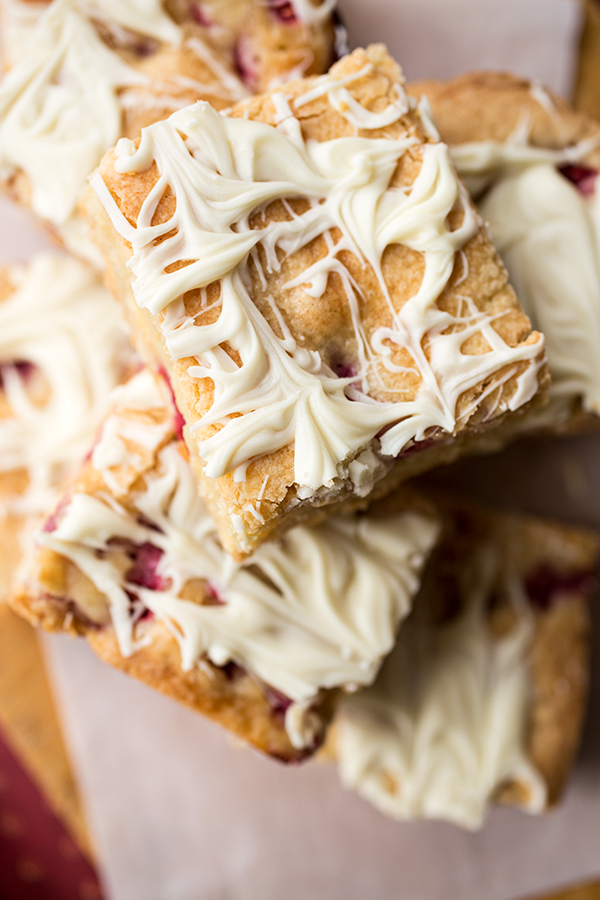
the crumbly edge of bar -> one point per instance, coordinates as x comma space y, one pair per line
235, 701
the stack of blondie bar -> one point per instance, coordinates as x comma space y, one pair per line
319, 314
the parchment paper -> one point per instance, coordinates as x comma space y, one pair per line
442, 38
177, 812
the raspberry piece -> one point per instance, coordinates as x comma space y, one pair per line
283, 11
544, 583
582, 177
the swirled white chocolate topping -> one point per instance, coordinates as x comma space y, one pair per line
62, 103
310, 12
63, 323
548, 233
318, 609
18, 20
271, 393
549, 237
444, 725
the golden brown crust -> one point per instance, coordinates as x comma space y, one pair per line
231, 696
556, 566
559, 665
326, 325
15, 526
149, 103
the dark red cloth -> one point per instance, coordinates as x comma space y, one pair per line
38, 859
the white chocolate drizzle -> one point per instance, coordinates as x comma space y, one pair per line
549, 237
19, 18
65, 323
146, 17
313, 13
220, 171
62, 103
318, 609
444, 726
548, 234
482, 163
59, 108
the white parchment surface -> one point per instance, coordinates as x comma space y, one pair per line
442, 38
177, 812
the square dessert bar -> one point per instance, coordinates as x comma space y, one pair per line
532, 164
263, 41
131, 560
85, 74
482, 700
312, 276
62, 351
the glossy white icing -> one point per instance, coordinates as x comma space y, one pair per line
482, 163
550, 240
295, 614
59, 108
221, 170
346, 104
62, 102
125, 440
18, 20
548, 234
312, 13
146, 17
64, 322
444, 725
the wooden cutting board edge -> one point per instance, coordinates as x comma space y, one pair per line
30, 724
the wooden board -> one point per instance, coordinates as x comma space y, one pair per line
582, 892
30, 724
587, 90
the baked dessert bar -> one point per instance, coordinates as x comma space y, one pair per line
91, 72
312, 276
263, 42
131, 560
532, 164
482, 699
267, 41
62, 351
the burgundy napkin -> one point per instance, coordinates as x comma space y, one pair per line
38, 859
